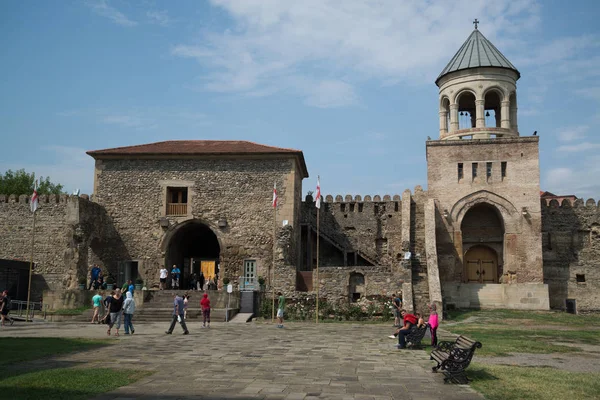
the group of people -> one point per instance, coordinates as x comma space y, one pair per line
411, 321
5, 308
195, 281
97, 278
115, 308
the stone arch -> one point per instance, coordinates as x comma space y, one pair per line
492, 105
466, 100
192, 245
507, 210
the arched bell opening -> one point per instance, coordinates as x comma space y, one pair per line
193, 247
466, 110
482, 230
493, 109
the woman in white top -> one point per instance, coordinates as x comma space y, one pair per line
163, 277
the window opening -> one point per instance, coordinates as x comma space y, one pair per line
503, 167
360, 207
580, 278
474, 170
177, 199
460, 171
488, 170
352, 207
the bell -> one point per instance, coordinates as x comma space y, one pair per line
487, 114
461, 113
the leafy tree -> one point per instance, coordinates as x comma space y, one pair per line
21, 182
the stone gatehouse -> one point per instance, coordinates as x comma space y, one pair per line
479, 236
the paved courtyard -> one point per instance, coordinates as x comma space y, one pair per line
257, 361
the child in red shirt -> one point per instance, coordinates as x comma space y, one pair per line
205, 305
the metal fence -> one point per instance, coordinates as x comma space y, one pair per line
19, 308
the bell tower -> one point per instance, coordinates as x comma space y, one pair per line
478, 92
483, 186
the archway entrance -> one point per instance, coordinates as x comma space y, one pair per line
193, 248
482, 231
482, 265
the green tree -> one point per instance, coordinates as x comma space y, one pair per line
21, 182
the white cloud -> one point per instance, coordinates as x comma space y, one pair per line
590, 92
128, 121
159, 18
582, 182
572, 133
575, 148
339, 45
102, 8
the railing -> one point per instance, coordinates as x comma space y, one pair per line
176, 208
248, 284
21, 308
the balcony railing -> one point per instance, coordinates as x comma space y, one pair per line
176, 208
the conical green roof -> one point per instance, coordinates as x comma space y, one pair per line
476, 52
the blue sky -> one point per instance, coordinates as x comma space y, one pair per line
349, 83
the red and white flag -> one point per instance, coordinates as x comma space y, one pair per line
34, 198
318, 194
275, 195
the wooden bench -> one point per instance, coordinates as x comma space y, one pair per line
413, 339
454, 357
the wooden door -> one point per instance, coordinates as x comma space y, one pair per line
481, 265
208, 269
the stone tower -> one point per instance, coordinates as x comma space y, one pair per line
483, 181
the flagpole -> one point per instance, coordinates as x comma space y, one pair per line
274, 244
30, 266
318, 219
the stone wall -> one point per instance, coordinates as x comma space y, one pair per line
237, 190
571, 249
518, 296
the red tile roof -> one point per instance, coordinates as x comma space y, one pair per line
200, 147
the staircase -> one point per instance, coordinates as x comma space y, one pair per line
158, 306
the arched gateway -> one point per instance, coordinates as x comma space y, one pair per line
193, 247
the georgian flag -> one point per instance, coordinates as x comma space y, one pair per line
33, 205
318, 194
275, 195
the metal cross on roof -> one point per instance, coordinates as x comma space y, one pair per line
476, 22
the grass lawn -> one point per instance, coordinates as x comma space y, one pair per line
16, 350
66, 383
505, 331
503, 382
57, 383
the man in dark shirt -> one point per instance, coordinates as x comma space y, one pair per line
115, 307
94, 275
409, 321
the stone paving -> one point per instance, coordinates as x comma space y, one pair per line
258, 361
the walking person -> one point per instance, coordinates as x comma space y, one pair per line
280, 309
96, 303
163, 273
205, 306
175, 273
397, 304
128, 309
186, 300
201, 281
106, 303
116, 308
5, 308
178, 316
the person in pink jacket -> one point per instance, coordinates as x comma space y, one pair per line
433, 323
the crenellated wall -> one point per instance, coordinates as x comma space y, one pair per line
64, 228
571, 252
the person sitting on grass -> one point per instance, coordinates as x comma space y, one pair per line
409, 321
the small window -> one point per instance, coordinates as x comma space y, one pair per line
351, 207
360, 207
177, 199
461, 173
503, 169
343, 207
580, 278
488, 170
396, 206
474, 170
